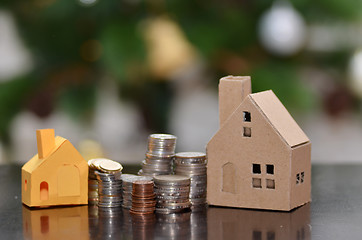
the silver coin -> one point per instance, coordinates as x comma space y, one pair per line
171, 180
190, 158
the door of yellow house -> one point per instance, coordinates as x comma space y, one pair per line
68, 181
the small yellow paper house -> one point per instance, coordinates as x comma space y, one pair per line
259, 158
57, 175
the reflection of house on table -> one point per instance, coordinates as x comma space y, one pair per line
56, 223
57, 175
259, 158
228, 223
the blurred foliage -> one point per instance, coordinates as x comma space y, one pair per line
224, 33
13, 95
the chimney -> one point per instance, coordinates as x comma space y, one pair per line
46, 142
232, 91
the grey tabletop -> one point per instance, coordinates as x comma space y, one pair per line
335, 213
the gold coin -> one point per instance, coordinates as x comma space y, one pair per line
96, 162
110, 165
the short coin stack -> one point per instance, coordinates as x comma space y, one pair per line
92, 183
160, 155
109, 183
193, 165
172, 193
143, 198
127, 186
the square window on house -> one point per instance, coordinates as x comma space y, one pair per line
256, 168
256, 182
270, 235
270, 183
257, 235
270, 169
246, 117
247, 132
301, 177
298, 178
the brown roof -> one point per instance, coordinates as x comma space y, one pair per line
279, 117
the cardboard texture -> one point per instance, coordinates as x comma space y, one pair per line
258, 153
56, 223
232, 91
59, 177
256, 225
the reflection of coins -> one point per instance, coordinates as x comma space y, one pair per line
110, 220
142, 225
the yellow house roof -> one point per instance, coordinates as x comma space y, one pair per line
35, 162
279, 117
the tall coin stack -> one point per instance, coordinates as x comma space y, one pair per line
109, 183
92, 184
160, 155
127, 186
143, 198
193, 165
172, 193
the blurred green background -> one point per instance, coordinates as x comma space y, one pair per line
105, 74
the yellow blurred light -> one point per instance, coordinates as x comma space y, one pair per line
168, 48
90, 149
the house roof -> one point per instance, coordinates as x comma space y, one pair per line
279, 117
35, 162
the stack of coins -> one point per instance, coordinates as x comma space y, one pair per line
143, 198
92, 184
160, 155
193, 165
127, 186
109, 182
172, 193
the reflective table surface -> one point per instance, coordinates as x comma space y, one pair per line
335, 213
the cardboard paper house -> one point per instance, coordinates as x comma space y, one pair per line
57, 175
259, 158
